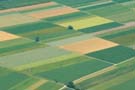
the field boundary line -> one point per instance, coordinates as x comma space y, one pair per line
18, 84
28, 7
127, 25
37, 84
63, 87
101, 60
106, 2
94, 74
126, 60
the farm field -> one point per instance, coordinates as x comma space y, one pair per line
67, 44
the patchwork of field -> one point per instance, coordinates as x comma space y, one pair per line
67, 44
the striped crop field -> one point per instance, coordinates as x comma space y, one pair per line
67, 44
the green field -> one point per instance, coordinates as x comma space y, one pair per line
114, 54
44, 30
76, 70
118, 79
10, 78
34, 32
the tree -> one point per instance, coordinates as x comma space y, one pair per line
72, 85
37, 39
70, 27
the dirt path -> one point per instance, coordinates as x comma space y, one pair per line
63, 87
127, 25
36, 85
94, 74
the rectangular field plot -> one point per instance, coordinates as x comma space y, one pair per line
73, 3
124, 37
19, 3
53, 12
26, 84
70, 40
101, 27
120, 78
87, 46
9, 20
67, 17
49, 85
19, 61
124, 86
53, 63
86, 22
18, 45
113, 11
8, 78
28, 8
7, 36
115, 54
44, 30
74, 71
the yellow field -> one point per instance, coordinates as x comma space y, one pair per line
86, 22
13, 19
7, 36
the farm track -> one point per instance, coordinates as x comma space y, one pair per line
127, 25
65, 44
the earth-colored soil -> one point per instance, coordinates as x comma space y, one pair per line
28, 7
7, 36
54, 12
36, 85
90, 45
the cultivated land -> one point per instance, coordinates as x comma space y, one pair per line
7, 36
90, 45
86, 22
67, 45
54, 12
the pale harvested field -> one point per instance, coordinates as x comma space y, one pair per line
86, 22
90, 45
54, 12
94, 74
127, 25
28, 7
14, 19
36, 85
7, 36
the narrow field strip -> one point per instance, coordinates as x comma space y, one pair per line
97, 73
55, 12
86, 22
45, 62
71, 40
37, 85
113, 82
39, 54
77, 70
11, 20
115, 56
87, 6
127, 25
28, 7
